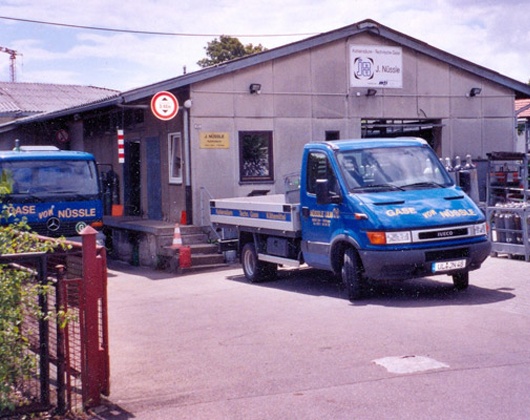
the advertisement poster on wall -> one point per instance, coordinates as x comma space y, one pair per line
374, 66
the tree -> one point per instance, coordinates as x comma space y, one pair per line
227, 48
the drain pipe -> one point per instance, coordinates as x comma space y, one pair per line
187, 164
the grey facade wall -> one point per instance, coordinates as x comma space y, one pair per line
306, 94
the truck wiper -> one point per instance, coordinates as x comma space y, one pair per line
73, 194
424, 185
371, 187
27, 198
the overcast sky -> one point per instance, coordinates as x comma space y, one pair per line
491, 33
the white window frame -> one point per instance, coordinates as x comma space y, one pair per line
174, 144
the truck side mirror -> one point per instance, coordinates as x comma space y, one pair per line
324, 195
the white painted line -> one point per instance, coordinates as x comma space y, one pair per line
409, 364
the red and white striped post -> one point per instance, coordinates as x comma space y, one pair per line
121, 149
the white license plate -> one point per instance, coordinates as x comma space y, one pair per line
448, 265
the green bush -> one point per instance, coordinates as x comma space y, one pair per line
18, 297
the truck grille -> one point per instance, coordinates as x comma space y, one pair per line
65, 229
443, 234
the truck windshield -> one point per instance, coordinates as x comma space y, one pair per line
396, 168
49, 177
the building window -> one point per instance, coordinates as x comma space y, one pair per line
175, 158
255, 156
332, 135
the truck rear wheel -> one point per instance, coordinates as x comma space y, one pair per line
256, 271
461, 280
351, 275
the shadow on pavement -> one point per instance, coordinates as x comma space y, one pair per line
108, 411
422, 292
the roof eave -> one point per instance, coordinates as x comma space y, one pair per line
520, 89
61, 113
240, 63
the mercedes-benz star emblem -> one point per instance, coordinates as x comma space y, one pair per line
53, 224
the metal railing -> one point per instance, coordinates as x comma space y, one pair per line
207, 196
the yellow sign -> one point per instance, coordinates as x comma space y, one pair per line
214, 140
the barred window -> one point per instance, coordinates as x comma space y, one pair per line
255, 156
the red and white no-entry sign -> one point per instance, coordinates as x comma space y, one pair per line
62, 136
164, 105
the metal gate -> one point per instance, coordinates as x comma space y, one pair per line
71, 345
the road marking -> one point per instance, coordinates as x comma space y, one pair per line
409, 364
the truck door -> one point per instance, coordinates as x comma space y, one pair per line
318, 220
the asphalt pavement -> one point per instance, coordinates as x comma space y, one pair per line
211, 346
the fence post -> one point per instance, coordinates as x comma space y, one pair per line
95, 354
44, 334
60, 305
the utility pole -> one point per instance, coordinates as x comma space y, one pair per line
12, 57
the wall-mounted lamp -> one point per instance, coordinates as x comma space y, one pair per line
371, 92
474, 92
254, 88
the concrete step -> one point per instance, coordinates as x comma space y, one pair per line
189, 235
206, 259
204, 254
191, 230
204, 248
196, 238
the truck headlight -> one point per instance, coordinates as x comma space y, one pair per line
389, 238
480, 229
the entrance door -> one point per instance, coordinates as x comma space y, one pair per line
154, 180
132, 179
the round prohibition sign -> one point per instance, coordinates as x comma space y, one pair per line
62, 136
164, 105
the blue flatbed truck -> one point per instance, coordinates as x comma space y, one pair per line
56, 192
368, 210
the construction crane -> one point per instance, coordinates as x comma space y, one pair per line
12, 57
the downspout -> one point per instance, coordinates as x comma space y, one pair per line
187, 164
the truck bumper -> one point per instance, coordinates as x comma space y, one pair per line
407, 264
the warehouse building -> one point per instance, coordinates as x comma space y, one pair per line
241, 125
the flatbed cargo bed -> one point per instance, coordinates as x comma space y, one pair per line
268, 212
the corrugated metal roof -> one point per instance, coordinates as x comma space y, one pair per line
22, 99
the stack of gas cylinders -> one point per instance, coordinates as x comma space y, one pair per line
508, 223
464, 175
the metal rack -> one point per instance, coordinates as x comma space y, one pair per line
508, 205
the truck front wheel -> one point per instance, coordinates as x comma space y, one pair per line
461, 280
351, 275
256, 271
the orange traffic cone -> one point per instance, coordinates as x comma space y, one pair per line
177, 239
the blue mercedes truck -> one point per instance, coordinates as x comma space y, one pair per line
366, 210
56, 192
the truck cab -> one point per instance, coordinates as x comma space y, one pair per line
57, 192
386, 210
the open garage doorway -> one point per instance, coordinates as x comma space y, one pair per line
429, 130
